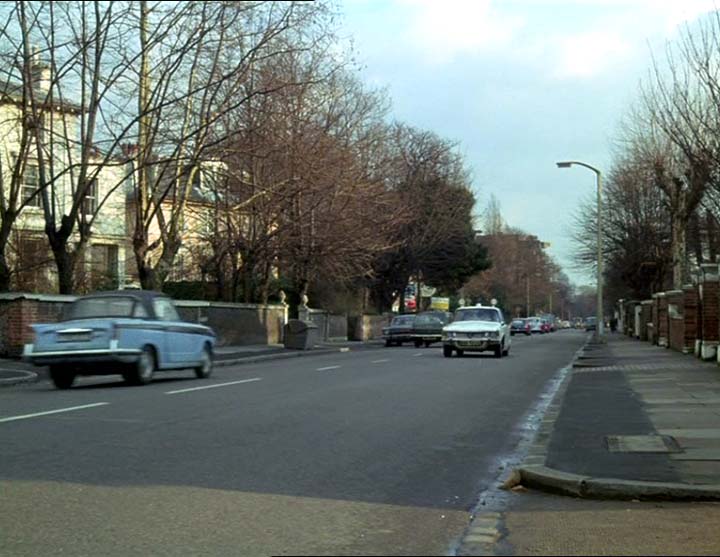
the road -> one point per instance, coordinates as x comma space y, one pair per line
375, 452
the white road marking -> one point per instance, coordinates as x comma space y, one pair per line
416, 355
379, 361
327, 368
213, 386
26, 416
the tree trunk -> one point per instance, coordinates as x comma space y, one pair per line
5, 274
64, 262
5, 271
696, 238
679, 251
712, 236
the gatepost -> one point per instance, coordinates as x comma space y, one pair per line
709, 311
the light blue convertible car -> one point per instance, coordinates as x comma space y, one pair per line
131, 332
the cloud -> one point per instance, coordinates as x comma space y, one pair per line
588, 54
444, 30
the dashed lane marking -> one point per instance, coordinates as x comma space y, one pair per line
214, 386
379, 361
58, 411
328, 368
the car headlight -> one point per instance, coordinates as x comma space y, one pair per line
494, 334
452, 334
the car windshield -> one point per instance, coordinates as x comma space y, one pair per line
477, 314
518, 323
430, 319
107, 306
404, 320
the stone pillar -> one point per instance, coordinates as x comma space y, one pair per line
655, 328
709, 311
645, 319
663, 329
676, 319
691, 305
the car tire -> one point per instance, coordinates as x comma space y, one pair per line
507, 351
144, 368
61, 376
204, 370
447, 351
388, 343
418, 343
498, 351
427, 344
460, 353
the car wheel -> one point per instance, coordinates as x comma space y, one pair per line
204, 370
507, 351
418, 343
447, 351
61, 376
460, 353
388, 343
499, 351
144, 368
427, 344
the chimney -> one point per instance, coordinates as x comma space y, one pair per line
40, 72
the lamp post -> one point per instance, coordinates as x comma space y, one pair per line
600, 331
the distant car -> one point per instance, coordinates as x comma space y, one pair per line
130, 332
591, 324
400, 330
546, 327
428, 327
536, 325
550, 320
476, 329
520, 326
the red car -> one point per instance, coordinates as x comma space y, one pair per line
546, 327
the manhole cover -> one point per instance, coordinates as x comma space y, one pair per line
642, 444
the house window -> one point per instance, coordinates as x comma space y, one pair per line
90, 202
104, 266
33, 260
30, 184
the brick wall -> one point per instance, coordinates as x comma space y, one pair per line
709, 304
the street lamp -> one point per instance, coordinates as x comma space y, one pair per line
600, 331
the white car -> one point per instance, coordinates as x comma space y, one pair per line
476, 329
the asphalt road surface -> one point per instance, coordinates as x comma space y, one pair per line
374, 452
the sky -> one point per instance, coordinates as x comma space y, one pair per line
519, 84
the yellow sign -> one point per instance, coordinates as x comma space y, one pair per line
442, 304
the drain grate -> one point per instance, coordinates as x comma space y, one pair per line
642, 444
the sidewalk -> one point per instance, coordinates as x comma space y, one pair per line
632, 421
13, 372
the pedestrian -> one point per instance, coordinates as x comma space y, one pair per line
613, 324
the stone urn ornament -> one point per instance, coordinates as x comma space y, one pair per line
282, 297
304, 300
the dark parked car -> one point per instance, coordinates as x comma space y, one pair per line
428, 327
131, 332
400, 330
520, 326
